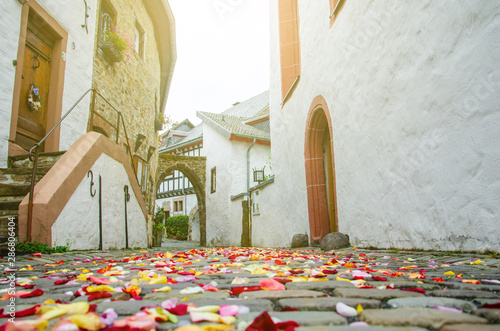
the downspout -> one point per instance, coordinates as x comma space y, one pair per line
248, 165
249, 198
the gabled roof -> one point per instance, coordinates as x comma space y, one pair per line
193, 136
228, 125
251, 107
232, 121
180, 124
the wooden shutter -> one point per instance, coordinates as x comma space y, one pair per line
289, 46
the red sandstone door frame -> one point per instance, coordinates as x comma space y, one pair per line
56, 86
321, 188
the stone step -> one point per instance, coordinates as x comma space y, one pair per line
8, 212
10, 175
44, 160
4, 226
10, 202
14, 189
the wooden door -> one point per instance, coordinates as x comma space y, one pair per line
35, 83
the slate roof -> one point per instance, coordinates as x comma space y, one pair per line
194, 135
228, 125
232, 121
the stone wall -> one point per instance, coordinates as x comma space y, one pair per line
133, 87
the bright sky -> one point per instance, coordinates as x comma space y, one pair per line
222, 55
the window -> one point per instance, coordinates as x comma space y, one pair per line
255, 203
107, 22
289, 47
335, 8
212, 180
179, 207
139, 40
142, 172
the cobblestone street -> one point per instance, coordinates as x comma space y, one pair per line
181, 286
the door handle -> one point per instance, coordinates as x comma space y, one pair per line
38, 64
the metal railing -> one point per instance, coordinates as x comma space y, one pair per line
33, 153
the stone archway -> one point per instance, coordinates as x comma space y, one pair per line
193, 167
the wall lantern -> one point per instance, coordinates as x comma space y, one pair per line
258, 175
151, 150
139, 141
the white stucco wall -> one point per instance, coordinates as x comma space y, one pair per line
218, 152
413, 93
10, 25
78, 72
78, 224
79, 63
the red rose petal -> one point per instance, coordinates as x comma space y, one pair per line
99, 295
32, 294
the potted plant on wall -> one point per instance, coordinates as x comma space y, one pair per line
158, 227
116, 45
160, 121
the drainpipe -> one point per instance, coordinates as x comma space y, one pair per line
248, 165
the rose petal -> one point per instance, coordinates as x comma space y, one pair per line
453, 310
271, 285
170, 303
345, 310
191, 290
229, 310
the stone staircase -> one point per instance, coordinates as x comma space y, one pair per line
15, 184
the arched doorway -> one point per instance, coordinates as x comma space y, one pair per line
320, 172
193, 168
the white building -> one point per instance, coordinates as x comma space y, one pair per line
235, 142
384, 122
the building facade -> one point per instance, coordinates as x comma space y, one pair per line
384, 122
47, 49
113, 61
234, 142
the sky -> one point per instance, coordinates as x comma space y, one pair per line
222, 55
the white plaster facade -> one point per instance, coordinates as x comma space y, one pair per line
78, 70
224, 216
412, 89
78, 224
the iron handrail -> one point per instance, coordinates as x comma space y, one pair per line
33, 153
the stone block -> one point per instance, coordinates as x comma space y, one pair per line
374, 293
358, 328
324, 286
300, 240
469, 327
275, 295
421, 317
492, 315
430, 302
176, 294
327, 304
465, 294
334, 240
303, 318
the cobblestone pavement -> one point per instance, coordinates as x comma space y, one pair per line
181, 286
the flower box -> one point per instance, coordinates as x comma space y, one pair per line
111, 52
158, 126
